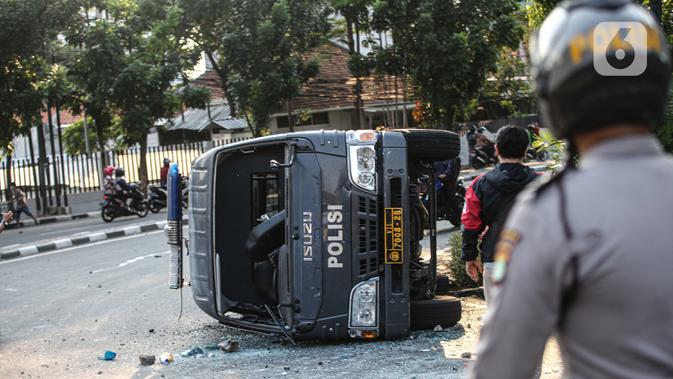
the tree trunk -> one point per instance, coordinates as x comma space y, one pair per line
224, 77
60, 150
57, 188
8, 176
250, 126
101, 123
142, 169
36, 184
42, 153
290, 119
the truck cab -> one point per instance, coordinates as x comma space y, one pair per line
317, 235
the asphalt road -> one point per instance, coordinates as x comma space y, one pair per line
32, 234
60, 311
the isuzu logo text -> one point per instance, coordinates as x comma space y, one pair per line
335, 235
307, 228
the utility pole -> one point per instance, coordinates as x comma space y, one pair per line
42, 151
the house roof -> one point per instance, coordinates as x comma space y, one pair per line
209, 79
334, 85
200, 119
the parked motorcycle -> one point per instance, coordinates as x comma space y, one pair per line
138, 206
157, 198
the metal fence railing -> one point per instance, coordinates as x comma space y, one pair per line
83, 173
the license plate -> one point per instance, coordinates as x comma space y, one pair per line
394, 236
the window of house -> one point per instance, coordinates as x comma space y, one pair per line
321, 118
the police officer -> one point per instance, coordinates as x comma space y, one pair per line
589, 254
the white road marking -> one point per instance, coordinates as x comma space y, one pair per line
13, 260
128, 262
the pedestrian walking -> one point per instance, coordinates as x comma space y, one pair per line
19, 199
489, 199
589, 254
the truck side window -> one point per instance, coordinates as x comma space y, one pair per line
266, 197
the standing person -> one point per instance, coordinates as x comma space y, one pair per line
6, 220
163, 180
589, 255
488, 201
21, 204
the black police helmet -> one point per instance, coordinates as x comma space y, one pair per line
599, 63
119, 172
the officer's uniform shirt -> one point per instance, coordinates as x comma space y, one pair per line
618, 323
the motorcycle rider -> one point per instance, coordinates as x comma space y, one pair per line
488, 201
588, 255
122, 188
163, 180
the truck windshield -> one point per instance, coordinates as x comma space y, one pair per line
266, 199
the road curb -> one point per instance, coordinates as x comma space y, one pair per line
53, 219
27, 250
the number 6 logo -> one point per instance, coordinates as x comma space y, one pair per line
620, 48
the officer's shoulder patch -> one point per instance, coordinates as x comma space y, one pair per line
509, 238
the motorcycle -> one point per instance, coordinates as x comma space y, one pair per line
538, 155
158, 196
485, 154
111, 208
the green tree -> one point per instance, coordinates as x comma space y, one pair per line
97, 62
257, 48
356, 21
509, 85
448, 48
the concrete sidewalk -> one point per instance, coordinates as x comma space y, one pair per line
52, 219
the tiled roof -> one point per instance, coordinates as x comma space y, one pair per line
67, 118
334, 86
210, 80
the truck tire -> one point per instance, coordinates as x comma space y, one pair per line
442, 310
431, 145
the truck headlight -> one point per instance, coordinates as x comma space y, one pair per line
364, 304
362, 159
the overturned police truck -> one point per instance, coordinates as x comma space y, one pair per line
318, 235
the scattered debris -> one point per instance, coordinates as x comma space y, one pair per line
192, 352
108, 356
469, 326
166, 358
229, 346
211, 355
151, 330
147, 360
438, 328
320, 363
466, 355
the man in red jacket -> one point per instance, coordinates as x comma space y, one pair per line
488, 201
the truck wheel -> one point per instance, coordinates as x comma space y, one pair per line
442, 310
431, 145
